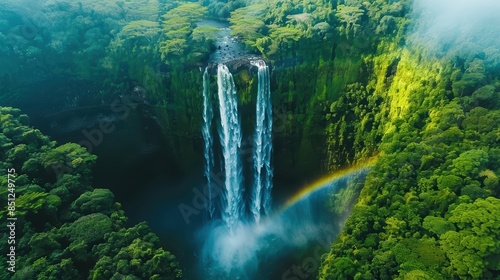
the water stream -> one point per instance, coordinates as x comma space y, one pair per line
263, 172
230, 139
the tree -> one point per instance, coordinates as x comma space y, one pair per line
70, 157
178, 26
437, 225
324, 30
69, 187
343, 267
470, 163
96, 201
133, 246
451, 182
283, 39
42, 243
55, 244
490, 180
444, 117
203, 33
480, 120
350, 17
248, 24
138, 29
90, 228
174, 48
474, 75
486, 95
477, 239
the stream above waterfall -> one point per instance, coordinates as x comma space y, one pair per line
227, 47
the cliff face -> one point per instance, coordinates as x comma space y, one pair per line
332, 98
413, 197
303, 89
302, 97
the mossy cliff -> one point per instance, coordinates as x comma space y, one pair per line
438, 167
433, 118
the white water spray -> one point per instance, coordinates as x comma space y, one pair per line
263, 172
253, 250
230, 138
207, 138
236, 247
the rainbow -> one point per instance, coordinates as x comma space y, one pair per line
326, 180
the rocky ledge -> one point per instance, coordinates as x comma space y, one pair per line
236, 65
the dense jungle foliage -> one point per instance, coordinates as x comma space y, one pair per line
348, 79
66, 229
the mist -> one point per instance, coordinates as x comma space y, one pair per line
252, 250
467, 27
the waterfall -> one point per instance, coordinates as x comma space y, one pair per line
263, 173
230, 138
207, 138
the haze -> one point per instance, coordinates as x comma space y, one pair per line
465, 26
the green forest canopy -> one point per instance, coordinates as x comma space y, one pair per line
65, 227
429, 207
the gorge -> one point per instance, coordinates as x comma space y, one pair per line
256, 139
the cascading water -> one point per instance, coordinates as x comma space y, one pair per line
207, 138
239, 247
230, 138
263, 172
231, 243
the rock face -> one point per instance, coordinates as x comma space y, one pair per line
229, 50
236, 65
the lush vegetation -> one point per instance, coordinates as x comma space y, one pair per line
65, 228
116, 45
429, 207
348, 83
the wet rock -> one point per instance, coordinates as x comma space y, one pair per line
236, 65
